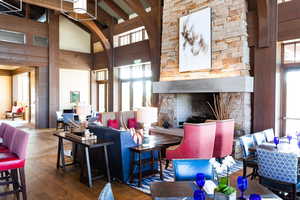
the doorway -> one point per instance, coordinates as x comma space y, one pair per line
19, 90
291, 119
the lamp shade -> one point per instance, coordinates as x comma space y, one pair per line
80, 6
147, 115
83, 110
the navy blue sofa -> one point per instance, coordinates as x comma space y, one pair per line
119, 152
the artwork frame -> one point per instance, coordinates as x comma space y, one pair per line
195, 41
75, 97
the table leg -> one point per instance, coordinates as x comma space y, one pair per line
160, 166
88, 167
152, 161
62, 154
58, 154
75, 154
107, 164
140, 169
132, 167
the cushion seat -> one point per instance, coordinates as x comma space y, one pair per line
10, 161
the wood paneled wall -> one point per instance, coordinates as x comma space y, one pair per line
125, 55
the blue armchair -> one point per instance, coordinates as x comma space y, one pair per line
259, 138
186, 169
249, 158
119, 152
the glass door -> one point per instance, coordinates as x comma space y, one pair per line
292, 102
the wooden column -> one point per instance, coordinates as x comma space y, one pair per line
53, 67
264, 100
111, 63
42, 97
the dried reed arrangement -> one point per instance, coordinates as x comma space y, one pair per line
221, 107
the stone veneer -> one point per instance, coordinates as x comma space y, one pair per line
230, 52
230, 55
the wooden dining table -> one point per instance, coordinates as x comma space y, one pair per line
180, 190
290, 147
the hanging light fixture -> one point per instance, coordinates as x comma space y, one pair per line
79, 10
7, 6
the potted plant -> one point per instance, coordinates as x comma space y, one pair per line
223, 191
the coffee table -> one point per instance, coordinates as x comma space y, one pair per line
157, 143
181, 189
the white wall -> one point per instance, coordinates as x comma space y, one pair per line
73, 80
72, 37
5, 94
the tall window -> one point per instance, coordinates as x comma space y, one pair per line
130, 37
135, 86
291, 52
102, 90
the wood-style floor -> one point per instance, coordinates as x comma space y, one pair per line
44, 182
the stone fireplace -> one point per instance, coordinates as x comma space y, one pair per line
181, 101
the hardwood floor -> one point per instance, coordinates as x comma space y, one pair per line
44, 182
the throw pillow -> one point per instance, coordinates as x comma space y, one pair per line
113, 123
99, 117
132, 123
137, 135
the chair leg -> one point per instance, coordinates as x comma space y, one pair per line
244, 169
167, 164
23, 183
15, 179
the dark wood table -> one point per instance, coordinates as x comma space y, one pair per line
87, 145
141, 162
181, 189
164, 141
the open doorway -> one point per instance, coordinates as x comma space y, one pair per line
17, 96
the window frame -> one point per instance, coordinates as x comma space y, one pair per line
131, 82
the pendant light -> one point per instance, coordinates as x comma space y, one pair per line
6, 6
80, 10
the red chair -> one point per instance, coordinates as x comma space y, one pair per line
8, 138
224, 138
198, 142
2, 129
14, 161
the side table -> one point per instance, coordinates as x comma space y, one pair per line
141, 162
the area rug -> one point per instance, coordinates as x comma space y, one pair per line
168, 175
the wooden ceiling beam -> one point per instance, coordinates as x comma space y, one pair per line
117, 9
92, 26
95, 29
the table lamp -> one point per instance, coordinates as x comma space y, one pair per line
82, 111
147, 116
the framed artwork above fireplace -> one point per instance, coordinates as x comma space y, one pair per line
195, 41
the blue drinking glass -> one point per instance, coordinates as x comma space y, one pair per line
298, 143
289, 137
254, 197
199, 195
276, 141
200, 180
242, 184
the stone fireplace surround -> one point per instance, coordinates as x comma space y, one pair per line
179, 100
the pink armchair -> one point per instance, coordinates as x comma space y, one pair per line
198, 142
224, 138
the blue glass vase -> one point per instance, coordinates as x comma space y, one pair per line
242, 184
199, 195
254, 197
200, 180
276, 141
